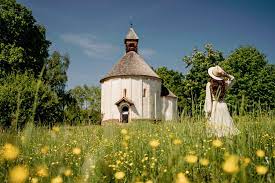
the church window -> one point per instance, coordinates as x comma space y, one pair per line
124, 93
144, 92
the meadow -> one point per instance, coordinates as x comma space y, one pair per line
141, 151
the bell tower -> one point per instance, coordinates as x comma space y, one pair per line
131, 40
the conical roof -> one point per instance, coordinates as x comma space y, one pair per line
131, 64
131, 34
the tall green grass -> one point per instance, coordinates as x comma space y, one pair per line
105, 151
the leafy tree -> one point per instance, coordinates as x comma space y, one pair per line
255, 79
17, 101
23, 44
56, 77
174, 81
197, 77
87, 105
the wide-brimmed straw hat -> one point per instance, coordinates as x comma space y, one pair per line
216, 73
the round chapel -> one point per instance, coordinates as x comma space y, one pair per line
132, 90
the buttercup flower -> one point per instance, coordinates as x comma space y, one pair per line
76, 150
191, 158
68, 172
154, 143
123, 131
9, 152
177, 142
57, 179
119, 175
181, 178
231, 164
260, 153
217, 143
261, 170
18, 174
42, 171
204, 162
56, 129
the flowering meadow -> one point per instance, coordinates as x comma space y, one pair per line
138, 152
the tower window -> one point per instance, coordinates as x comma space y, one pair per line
124, 93
144, 92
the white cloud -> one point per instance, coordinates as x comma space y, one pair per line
147, 52
90, 45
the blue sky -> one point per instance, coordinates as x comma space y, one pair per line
92, 31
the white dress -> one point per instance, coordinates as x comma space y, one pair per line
219, 121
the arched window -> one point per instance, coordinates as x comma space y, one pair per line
144, 92
124, 93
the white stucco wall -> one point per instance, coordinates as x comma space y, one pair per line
169, 108
148, 107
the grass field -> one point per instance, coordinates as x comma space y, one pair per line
140, 152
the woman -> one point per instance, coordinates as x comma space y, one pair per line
218, 117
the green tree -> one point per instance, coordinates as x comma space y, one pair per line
197, 77
23, 44
174, 81
17, 101
255, 78
87, 105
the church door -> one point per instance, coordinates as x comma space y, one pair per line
125, 114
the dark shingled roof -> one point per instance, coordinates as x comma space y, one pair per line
131, 64
165, 92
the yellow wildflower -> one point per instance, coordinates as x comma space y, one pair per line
260, 153
191, 158
57, 179
9, 152
76, 150
177, 141
154, 143
127, 137
34, 180
246, 161
204, 162
42, 171
261, 170
18, 174
231, 164
119, 175
56, 129
181, 178
123, 131
217, 143
45, 149
68, 172
149, 181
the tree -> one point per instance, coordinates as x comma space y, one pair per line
17, 101
197, 77
87, 104
255, 79
174, 81
24, 53
23, 44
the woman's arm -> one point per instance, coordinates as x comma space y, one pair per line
208, 101
230, 81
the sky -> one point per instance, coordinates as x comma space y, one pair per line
92, 31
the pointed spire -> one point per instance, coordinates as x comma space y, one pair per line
131, 33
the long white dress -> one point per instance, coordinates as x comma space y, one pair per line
219, 121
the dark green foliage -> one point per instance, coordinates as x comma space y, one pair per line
174, 81
255, 80
17, 95
253, 91
23, 44
197, 77
23, 53
86, 106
